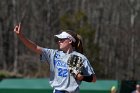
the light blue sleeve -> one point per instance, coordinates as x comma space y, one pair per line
46, 55
88, 69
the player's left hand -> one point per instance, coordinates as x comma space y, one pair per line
75, 65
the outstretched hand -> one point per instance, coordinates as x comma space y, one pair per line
28, 43
17, 29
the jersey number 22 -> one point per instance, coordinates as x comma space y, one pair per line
62, 72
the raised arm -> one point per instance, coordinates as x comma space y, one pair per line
28, 43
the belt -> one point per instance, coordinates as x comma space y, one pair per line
60, 91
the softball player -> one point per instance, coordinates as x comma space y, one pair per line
61, 79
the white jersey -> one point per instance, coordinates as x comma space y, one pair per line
60, 78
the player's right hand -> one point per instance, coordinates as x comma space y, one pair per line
17, 29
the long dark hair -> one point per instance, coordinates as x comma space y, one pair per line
78, 45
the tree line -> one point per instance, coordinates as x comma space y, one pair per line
110, 31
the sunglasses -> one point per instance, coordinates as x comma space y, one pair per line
60, 39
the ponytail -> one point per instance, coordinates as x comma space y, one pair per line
78, 44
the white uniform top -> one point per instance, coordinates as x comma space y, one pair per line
60, 78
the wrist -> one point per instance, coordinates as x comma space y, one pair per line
79, 77
88, 78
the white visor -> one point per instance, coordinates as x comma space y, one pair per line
65, 35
